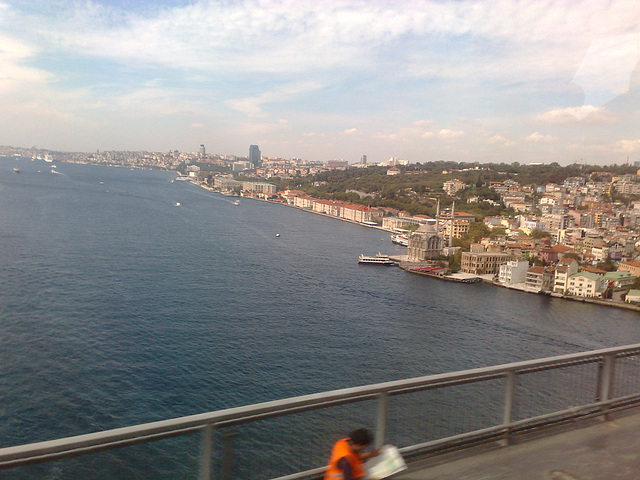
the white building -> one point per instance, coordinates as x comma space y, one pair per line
513, 272
452, 186
586, 284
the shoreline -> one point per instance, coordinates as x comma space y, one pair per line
595, 301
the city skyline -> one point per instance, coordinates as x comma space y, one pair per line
469, 81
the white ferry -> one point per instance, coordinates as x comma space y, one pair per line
400, 239
379, 259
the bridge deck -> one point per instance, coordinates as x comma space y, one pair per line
601, 450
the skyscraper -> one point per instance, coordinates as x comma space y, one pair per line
202, 151
254, 155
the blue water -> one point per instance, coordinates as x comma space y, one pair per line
118, 307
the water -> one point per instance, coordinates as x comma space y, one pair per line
118, 307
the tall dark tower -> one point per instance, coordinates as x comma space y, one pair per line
254, 155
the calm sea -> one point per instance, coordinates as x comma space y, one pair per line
118, 306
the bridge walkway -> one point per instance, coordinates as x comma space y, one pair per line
599, 450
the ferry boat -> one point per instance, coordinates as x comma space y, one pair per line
379, 259
400, 239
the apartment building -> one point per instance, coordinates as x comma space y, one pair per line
480, 263
586, 284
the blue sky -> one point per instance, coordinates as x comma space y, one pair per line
422, 80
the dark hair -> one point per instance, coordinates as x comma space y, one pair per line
362, 436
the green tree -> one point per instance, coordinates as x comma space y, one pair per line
477, 231
607, 265
538, 234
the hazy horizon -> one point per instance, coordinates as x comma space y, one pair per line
423, 80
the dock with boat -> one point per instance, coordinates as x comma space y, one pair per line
439, 273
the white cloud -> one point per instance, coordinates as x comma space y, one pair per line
427, 135
350, 131
252, 106
450, 134
304, 35
197, 125
538, 137
585, 115
627, 146
498, 140
389, 137
423, 123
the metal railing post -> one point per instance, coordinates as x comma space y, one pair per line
606, 381
509, 393
226, 470
381, 420
206, 453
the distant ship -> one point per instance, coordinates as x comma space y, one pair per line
379, 259
47, 158
15, 170
237, 202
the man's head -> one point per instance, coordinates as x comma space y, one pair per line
360, 439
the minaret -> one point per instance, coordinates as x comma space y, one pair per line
453, 207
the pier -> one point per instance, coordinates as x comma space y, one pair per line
560, 418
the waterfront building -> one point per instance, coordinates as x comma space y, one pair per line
586, 284
226, 184
424, 244
394, 223
563, 271
620, 280
259, 187
539, 279
480, 263
303, 201
512, 272
193, 170
633, 296
254, 155
361, 213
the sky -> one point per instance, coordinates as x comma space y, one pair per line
422, 80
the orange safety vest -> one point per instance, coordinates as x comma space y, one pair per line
341, 449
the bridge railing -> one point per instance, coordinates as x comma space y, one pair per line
421, 415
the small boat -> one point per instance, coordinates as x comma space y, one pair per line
177, 204
237, 202
277, 234
378, 259
16, 170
